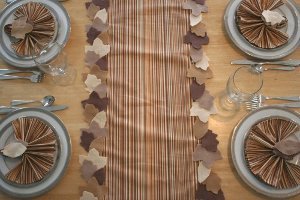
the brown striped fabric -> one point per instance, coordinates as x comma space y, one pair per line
150, 144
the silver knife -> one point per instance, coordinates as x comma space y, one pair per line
288, 105
292, 62
5, 110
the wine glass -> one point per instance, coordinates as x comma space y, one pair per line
241, 86
53, 60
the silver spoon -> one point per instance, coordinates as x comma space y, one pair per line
46, 101
260, 68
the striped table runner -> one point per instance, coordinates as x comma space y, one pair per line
150, 143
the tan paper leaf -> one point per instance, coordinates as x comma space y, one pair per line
206, 101
203, 63
100, 48
91, 82
87, 169
92, 10
98, 144
194, 20
100, 74
94, 157
100, 118
199, 29
199, 74
88, 196
196, 54
203, 114
101, 90
102, 15
200, 129
104, 37
289, 146
14, 149
203, 172
92, 186
90, 111
213, 183
20, 27
208, 157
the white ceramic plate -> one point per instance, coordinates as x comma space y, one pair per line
289, 9
6, 16
63, 154
237, 150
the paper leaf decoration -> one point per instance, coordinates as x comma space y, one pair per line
86, 140
99, 48
95, 129
91, 58
202, 2
200, 129
199, 74
39, 157
203, 194
194, 40
20, 27
102, 63
87, 169
98, 144
199, 29
203, 114
290, 145
213, 183
104, 37
92, 10
197, 9
196, 90
99, 103
90, 111
92, 34
100, 119
102, 15
206, 101
101, 90
94, 188
196, 54
91, 82
100, 176
194, 20
203, 63
209, 141
99, 25
101, 3
88, 196
208, 157
94, 157
203, 172
14, 149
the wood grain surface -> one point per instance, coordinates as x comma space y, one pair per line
220, 51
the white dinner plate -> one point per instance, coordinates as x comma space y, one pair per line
238, 144
62, 157
6, 17
289, 9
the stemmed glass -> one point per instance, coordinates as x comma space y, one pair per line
53, 60
241, 86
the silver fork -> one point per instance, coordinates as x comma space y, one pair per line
262, 98
252, 105
12, 71
35, 78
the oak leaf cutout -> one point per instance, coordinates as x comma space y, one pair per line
90, 111
199, 74
100, 176
196, 54
91, 58
202, 172
100, 119
196, 90
98, 144
20, 28
101, 90
99, 103
194, 20
207, 157
102, 15
104, 36
92, 34
194, 40
88, 196
86, 140
91, 82
94, 157
95, 129
87, 169
100, 26
14, 149
101, 3
203, 194
92, 10
93, 187
199, 29
201, 113
200, 129
206, 101
213, 183
197, 9
203, 63
209, 141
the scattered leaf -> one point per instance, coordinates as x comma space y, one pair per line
209, 141
194, 20
208, 157
92, 34
102, 15
91, 58
202, 2
99, 103
200, 129
199, 29
100, 176
289, 146
98, 144
206, 101
101, 90
14, 149
88, 196
197, 9
93, 187
99, 25
195, 41
203, 194
213, 183
104, 37
87, 169
100, 118
86, 140
203, 172
196, 90
101, 3
20, 28
91, 82
202, 113
196, 54
203, 63
94, 157
92, 10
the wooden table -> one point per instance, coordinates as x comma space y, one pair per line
220, 51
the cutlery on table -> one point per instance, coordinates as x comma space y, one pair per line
46, 101
6, 110
261, 68
254, 105
291, 62
13, 71
261, 98
35, 78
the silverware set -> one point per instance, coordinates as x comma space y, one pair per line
259, 100
35, 77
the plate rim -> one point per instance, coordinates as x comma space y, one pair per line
66, 161
249, 52
234, 158
64, 42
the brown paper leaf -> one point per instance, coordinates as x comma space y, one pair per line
101, 3
20, 28
101, 90
102, 15
93, 187
203, 63
92, 34
196, 90
197, 9
100, 118
209, 141
98, 144
90, 111
99, 25
202, 2
95, 158
195, 41
200, 129
102, 63
100, 175
91, 58
203, 194
199, 29
86, 140
206, 101
99, 103
213, 183
289, 146
199, 73
196, 54
100, 74
95, 129
92, 10
87, 169
208, 157
104, 37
